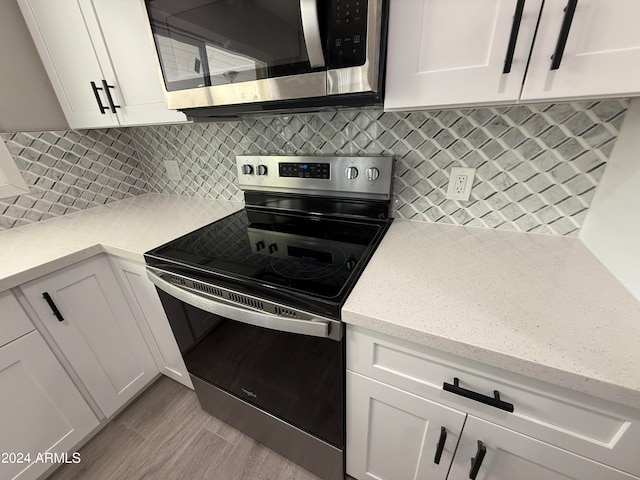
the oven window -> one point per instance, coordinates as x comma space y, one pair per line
296, 378
209, 43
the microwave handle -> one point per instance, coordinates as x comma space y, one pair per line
311, 31
316, 328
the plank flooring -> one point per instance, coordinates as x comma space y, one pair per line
165, 435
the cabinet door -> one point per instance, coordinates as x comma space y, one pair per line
60, 34
15, 322
394, 435
123, 24
513, 456
452, 52
602, 53
99, 335
42, 411
145, 303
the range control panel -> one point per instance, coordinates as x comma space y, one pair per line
366, 177
305, 170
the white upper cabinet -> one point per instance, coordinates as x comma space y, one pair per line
601, 56
465, 52
100, 61
448, 52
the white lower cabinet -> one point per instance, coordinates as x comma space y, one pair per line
395, 435
398, 411
42, 410
90, 321
509, 455
145, 304
15, 322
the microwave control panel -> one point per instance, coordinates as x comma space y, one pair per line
348, 33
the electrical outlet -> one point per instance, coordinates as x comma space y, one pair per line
173, 172
460, 183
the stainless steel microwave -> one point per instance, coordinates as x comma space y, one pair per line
219, 57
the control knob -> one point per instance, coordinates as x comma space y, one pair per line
372, 173
247, 169
352, 173
261, 170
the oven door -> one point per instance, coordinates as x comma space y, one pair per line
220, 52
294, 371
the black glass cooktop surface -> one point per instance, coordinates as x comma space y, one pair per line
277, 255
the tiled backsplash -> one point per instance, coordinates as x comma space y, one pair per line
537, 165
70, 170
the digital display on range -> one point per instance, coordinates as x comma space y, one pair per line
305, 170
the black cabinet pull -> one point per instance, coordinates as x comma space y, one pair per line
112, 104
515, 29
95, 89
476, 462
478, 397
440, 446
53, 306
569, 11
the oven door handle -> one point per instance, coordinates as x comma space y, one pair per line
313, 327
311, 32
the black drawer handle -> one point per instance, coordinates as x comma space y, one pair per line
476, 462
112, 104
515, 29
440, 446
569, 11
478, 397
95, 89
53, 306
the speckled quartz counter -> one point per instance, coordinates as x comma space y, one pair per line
127, 228
536, 305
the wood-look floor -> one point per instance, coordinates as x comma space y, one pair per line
165, 435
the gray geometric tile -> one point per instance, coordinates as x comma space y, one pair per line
537, 165
68, 171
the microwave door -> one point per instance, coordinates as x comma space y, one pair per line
228, 52
311, 30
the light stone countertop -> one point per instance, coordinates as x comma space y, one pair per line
126, 228
537, 305
541, 306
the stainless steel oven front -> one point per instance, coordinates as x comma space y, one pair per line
286, 365
214, 53
255, 298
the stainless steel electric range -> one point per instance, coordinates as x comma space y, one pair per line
254, 299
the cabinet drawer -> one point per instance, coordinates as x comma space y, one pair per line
15, 322
584, 425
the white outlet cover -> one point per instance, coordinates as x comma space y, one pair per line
460, 183
173, 171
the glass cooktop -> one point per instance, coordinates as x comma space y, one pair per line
273, 253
